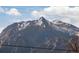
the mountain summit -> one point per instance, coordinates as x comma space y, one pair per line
42, 18
37, 36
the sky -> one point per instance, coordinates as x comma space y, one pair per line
11, 14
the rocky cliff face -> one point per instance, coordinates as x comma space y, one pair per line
73, 45
37, 36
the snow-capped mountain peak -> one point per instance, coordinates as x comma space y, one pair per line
36, 36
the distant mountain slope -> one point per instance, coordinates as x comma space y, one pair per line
37, 36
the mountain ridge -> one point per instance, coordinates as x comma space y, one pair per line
37, 33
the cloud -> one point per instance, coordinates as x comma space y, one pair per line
1, 28
64, 11
1, 10
65, 14
13, 11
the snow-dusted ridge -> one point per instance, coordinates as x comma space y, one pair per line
58, 25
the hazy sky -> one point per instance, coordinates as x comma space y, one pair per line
11, 14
